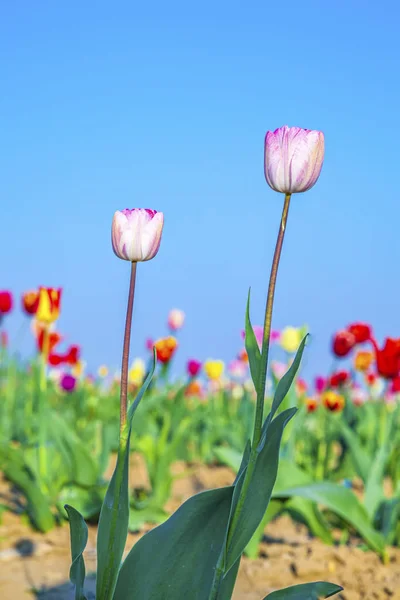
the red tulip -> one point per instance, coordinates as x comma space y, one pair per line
71, 357
388, 358
343, 343
361, 331
30, 302
54, 338
370, 378
395, 387
339, 378
6, 302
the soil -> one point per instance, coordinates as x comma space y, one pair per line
34, 565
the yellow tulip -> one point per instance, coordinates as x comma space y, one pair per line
291, 338
102, 371
214, 369
137, 372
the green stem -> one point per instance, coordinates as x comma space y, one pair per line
42, 409
322, 446
125, 351
262, 378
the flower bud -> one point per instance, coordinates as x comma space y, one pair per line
293, 158
136, 233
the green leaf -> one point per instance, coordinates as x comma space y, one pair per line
389, 517
290, 475
259, 491
79, 536
82, 466
114, 515
306, 591
37, 503
282, 389
251, 345
361, 460
228, 582
311, 516
86, 501
177, 559
149, 514
273, 509
344, 503
231, 457
374, 493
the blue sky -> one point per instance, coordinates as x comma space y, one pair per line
165, 105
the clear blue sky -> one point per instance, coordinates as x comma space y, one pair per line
165, 105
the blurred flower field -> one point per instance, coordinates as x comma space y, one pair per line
340, 459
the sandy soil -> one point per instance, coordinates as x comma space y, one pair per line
35, 565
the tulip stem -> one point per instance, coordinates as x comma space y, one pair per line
219, 571
125, 351
267, 324
42, 416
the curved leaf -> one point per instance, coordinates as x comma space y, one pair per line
177, 559
79, 537
259, 491
306, 591
114, 515
344, 503
282, 389
251, 345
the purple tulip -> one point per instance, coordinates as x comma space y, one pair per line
68, 383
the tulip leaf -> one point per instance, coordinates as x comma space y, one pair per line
311, 516
259, 490
114, 515
306, 591
252, 349
38, 509
374, 493
177, 559
228, 582
273, 509
243, 463
79, 538
342, 502
361, 460
282, 389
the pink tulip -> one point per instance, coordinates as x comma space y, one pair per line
193, 367
136, 233
320, 384
293, 158
237, 368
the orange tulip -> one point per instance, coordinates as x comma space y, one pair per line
165, 348
363, 361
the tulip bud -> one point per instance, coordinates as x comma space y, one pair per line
293, 158
30, 302
48, 309
343, 343
136, 233
6, 302
193, 367
176, 319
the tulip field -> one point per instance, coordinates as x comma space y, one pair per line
239, 480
